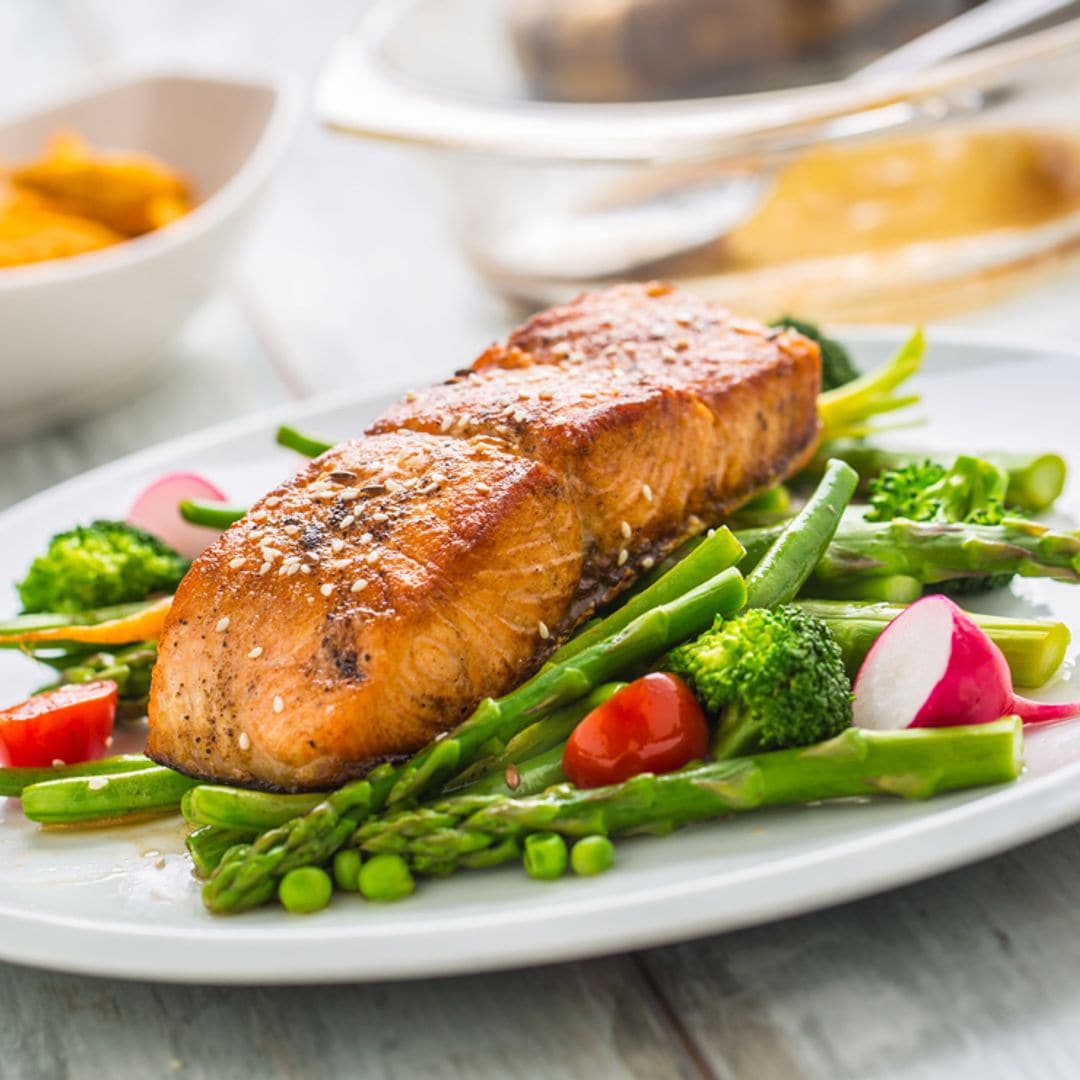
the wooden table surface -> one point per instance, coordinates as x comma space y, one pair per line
350, 276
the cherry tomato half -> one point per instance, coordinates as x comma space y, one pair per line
653, 725
69, 724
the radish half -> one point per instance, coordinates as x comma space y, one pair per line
933, 666
157, 510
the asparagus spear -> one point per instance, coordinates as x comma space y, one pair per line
791, 558
648, 636
931, 552
247, 876
1035, 480
549, 731
207, 845
1034, 650
481, 829
14, 779
106, 797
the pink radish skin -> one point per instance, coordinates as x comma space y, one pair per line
157, 510
933, 666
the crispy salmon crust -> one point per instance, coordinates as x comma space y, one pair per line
373, 600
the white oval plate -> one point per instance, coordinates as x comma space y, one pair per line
123, 901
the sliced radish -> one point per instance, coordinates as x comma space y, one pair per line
933, 666
157, 510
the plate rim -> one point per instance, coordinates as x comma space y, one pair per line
294, 952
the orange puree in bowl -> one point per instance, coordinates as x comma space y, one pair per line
843, 201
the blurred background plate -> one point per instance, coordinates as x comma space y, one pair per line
87, 331
733, 147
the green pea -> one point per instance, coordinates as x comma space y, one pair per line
545, 856
386, 877
347, 869
305, 889
592, 855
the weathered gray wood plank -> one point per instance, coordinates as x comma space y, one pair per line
570, 1021
970, 974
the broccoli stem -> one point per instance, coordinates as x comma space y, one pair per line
292, 439
211, 515
930, 552
105, 797
14, 779
784, 568
469, 830
1035, 480
207, 845
1034, 650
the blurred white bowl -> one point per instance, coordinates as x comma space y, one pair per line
80, 332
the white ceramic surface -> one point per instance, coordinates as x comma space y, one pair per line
123, 902
77, 333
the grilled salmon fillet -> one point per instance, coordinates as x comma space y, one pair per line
373, 600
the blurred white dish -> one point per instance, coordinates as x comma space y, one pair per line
78, 332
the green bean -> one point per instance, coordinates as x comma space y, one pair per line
106, 797
14, 779
292, 439
211, 515
785, 567
545, 856
707, 559
239, 808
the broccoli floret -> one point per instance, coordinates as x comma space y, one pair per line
772, 678
96, 565
837, 367
972, 492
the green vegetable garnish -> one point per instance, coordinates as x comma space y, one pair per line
545, 856
305, 890
347, 870
592, 855
385, 878
98, 565
772, 679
